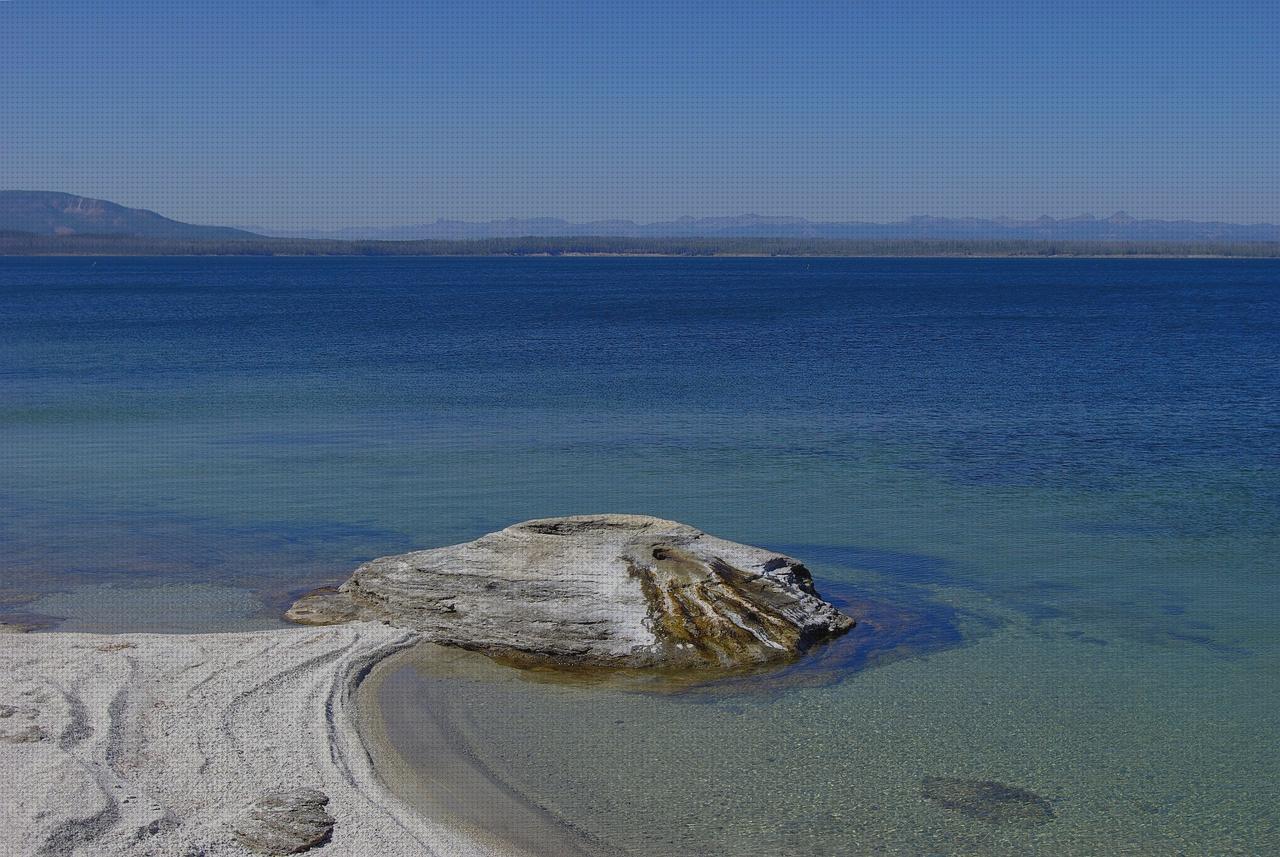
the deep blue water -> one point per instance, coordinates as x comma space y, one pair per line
1058, 456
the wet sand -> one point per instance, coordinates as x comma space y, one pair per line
426, 760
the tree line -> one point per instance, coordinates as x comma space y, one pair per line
27, 244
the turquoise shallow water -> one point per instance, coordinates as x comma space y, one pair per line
1065, 471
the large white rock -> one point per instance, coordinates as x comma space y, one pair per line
625, 590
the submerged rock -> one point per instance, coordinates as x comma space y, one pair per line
613, 590
988, 800
285, 822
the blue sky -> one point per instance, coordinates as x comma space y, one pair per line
315, 114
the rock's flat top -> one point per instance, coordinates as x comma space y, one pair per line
222, 745
625, 590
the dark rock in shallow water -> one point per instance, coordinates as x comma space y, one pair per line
988, 800
286, 822
606, 590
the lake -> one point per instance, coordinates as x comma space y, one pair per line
1065, 474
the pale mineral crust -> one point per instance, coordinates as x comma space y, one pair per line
612, 590
221, 745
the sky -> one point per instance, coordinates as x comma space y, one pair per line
329, 113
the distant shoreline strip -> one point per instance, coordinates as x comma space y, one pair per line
29, 244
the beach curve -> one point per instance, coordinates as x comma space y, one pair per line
424, 755
142, 744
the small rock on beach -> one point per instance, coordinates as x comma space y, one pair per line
285, 822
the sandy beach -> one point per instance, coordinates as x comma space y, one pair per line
161, 744
320, 739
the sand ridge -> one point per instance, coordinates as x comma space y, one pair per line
155, 744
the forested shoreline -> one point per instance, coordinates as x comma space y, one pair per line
27, 244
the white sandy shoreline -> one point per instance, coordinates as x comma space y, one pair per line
143, 744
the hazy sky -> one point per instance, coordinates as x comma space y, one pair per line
313, 114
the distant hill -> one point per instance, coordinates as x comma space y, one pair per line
51, 213
1118, 227
46, 213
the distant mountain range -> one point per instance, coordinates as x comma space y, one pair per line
50, 213
1118, 227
